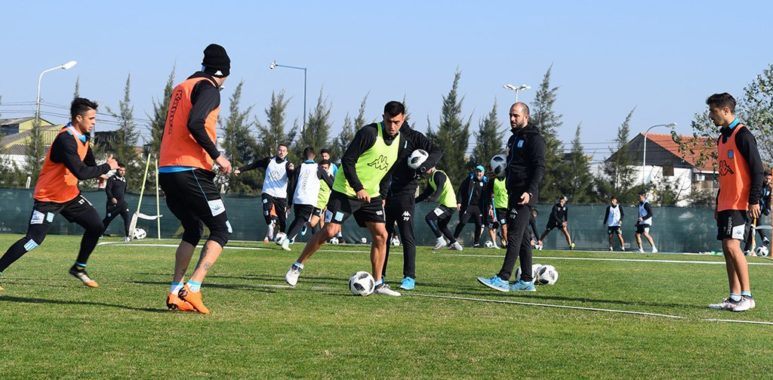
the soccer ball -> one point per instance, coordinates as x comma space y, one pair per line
417, 158
139, 234
534, 272
489, 244
334, 241
762, 251
362, 284
395, 241
548, 275
499, 165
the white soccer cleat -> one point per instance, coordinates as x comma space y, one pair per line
440, 243
286, 244
654, 250
746, 303
292, 275
456, 247
726, 304
611, 249
384, 290
641, 250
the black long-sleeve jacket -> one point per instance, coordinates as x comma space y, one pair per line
115, 188
471, 192
525, 162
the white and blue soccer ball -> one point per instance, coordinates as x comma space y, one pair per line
139, 234
334, 241
489, 244
395, 241
362, 284
499, 165
417, 158
761, 251
548, 275
534, 272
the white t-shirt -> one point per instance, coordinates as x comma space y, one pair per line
307, 188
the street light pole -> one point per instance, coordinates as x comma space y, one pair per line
516, 89
66, 66
644, 150
275, 65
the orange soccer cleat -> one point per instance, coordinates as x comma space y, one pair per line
194, 299
173, 302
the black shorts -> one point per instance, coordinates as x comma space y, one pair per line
192, 196
732, 224
303, 211
317, 212
44, 212
614, 230
551, 225
500, 215
342, 207
642, 228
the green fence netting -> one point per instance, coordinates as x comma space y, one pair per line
675, 229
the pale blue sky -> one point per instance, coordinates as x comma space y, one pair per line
662, 57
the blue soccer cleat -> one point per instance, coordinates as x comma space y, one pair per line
495, 283
408, 284
521, 285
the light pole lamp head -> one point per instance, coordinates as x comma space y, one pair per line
272, 65
510, 87
69, 65
671, 125
523, 87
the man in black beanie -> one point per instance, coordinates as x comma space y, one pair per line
186, 166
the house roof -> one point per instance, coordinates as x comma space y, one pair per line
20, 120
696, 145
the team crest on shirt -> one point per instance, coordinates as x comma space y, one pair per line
520, 143
730, 154
380, 163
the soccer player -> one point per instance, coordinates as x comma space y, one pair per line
559, 217
470, 205
764, 210
325, 155
613, 220
308, 184
525, 169
274, 193
115, 189
401, 199
357, 191
188, 155
740, 183
644, 223
496, 198
68, 161
440, 190
317, 220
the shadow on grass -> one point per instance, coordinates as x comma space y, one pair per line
85, 303
259, 288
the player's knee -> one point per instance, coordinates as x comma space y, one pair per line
220, 236
32, 242
192, 235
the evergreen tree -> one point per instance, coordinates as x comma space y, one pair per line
452, 134
757, 112
618, 173
158, 119
273, 133
545, 118
77, 92
316, 134
34, 151
123, 147
488, 138
350, 127
577, 180
239, 144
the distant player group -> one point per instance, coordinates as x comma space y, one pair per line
376, 183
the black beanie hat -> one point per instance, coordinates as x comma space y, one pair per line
216, 61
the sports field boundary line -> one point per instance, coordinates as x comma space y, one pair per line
611, 259
568, 307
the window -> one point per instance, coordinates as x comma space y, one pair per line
668, 169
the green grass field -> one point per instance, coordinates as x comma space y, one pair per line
449, 327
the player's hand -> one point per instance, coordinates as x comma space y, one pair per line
115, 201
363, 195
491, 213
237, 172
754, 211
112, 162
290, 166
224, 164
525, 198
458, 206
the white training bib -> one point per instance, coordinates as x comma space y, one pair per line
275, 180
307, 188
